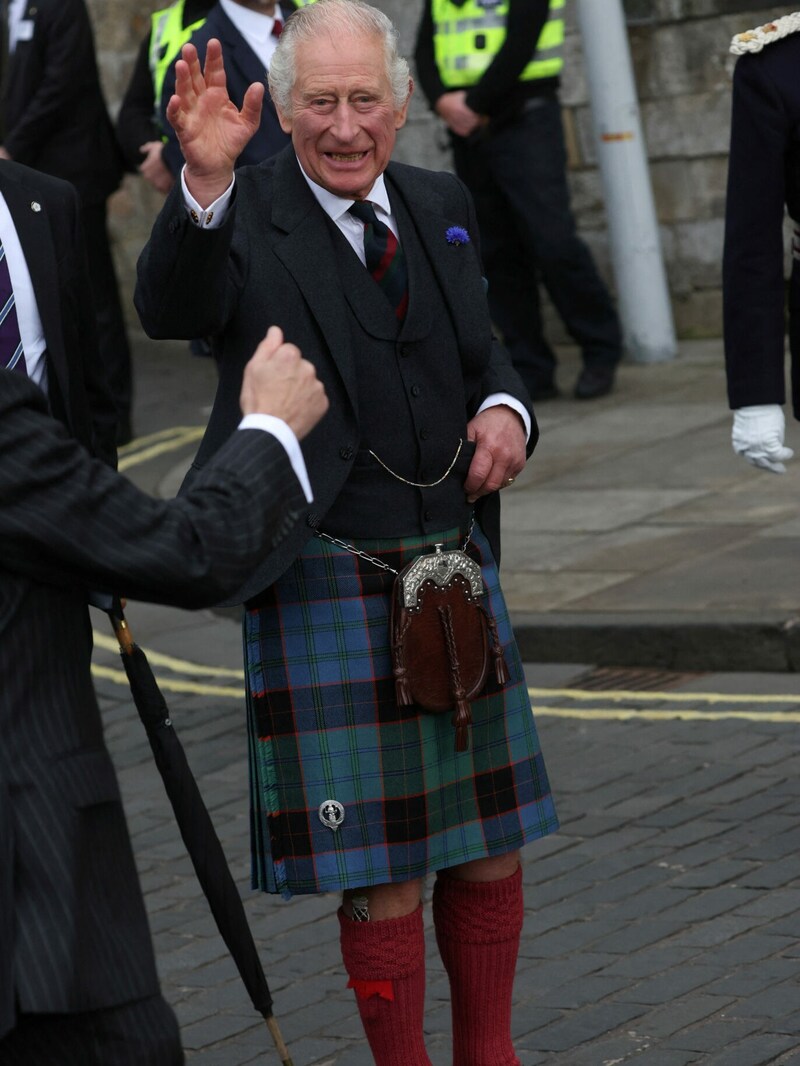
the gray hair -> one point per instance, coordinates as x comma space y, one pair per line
335, 17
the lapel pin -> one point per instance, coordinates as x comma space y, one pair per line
35, 206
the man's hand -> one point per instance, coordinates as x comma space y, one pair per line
460, 118
211, 129
278, 381
3, 153
758, 435
500, 450
153, 168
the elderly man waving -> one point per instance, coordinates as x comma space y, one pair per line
372, 269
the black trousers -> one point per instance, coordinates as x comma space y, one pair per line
517, 175
111, 336
144, 1033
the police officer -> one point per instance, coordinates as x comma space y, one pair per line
138, 126
498, 95
763, 180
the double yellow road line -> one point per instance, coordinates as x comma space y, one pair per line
617, 705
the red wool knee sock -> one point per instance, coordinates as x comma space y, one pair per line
478, 927
386, 964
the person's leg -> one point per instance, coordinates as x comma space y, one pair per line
383, 947
477, 913
528, 163
111, 334
144, 1033
511, 272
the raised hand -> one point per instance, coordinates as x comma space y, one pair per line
211, 129
279, 381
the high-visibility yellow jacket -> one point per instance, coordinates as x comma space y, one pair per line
167, 36
467, 38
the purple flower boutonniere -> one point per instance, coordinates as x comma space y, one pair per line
457, 235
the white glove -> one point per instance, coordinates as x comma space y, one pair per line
758, 436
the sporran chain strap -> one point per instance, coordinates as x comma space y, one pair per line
371, 558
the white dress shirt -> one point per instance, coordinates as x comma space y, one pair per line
255, 27
30, 324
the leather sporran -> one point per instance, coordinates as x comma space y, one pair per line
443, 640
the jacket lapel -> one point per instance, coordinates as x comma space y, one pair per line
35, 236
452, 264
308, 252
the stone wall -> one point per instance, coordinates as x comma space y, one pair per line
682, 66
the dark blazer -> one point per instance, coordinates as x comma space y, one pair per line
242, 68
52, 242
763, 180
73, 930
273, 261
53, 111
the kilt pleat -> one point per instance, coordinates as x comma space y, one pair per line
324, 724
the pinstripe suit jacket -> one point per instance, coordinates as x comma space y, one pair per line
73, 930
52, 243
273, 261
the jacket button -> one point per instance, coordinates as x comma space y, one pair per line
424, 434
429, 516
415, 390
405, 349
312, 519
346, 452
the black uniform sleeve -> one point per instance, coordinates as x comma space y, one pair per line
525, 22
136, 122
752, 267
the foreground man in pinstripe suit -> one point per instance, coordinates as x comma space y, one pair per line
78, 984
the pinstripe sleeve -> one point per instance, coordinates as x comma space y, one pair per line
65, 518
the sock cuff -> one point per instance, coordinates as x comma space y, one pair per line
383, 950
478, 912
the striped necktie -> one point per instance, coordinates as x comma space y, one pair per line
11, 353
385, 259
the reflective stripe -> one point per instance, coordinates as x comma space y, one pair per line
466, 40
167, 36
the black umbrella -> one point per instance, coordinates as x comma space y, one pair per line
196, 827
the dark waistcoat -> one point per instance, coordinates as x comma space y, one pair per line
412, 409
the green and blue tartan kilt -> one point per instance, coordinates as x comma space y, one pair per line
324, 724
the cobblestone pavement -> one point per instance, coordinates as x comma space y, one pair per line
661, 921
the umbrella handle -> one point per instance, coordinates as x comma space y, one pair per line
121, 628
280, 1046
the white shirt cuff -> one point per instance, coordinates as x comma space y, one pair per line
498, 398
210, 217
278, 428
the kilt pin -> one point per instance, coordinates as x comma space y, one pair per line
324, 725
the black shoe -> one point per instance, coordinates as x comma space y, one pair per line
593, 382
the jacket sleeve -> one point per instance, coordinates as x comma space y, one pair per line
187, 279
136, 123
68, 62
67, 519
753, 269
524, 24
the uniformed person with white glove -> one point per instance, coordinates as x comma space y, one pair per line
763, 183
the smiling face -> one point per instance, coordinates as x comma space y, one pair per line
343, 120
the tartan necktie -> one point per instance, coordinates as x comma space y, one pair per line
11, 353
385, 259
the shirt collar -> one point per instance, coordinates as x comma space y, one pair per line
335, 206
250, 23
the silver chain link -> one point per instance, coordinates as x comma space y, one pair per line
371, 558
